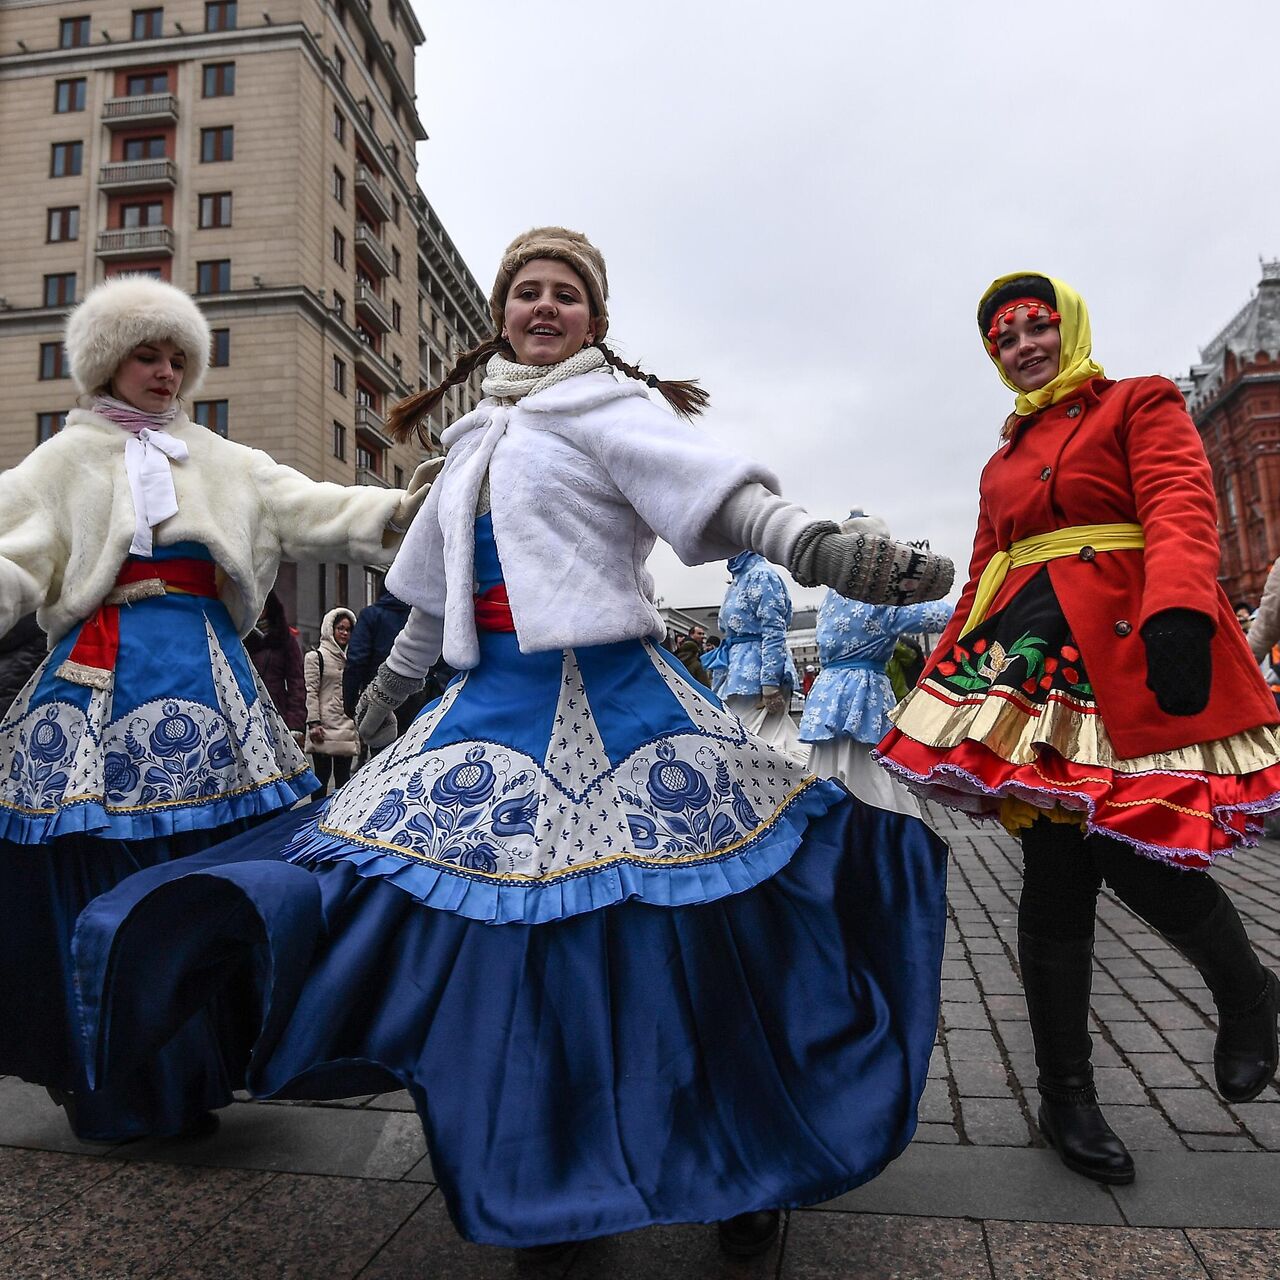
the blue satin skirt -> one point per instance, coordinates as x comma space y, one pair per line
632, 1065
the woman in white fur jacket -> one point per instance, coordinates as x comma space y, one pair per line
633, 965
147, 543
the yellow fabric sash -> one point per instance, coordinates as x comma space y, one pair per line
1048, 546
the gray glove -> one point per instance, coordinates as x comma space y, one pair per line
376, 707
865, 566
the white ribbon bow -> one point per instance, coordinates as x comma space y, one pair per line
147, 457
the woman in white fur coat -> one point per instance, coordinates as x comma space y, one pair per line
147, 544
633, 965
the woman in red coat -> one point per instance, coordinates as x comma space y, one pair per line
1095, 693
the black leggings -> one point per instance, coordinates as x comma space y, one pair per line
1063, 869
337, 767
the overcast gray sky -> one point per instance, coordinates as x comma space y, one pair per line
801, 203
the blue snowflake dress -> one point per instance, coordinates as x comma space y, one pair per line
632, 965
184, 749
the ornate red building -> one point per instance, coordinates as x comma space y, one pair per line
1234, 397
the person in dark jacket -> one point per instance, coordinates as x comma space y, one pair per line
375, 632
22, 649
274, 650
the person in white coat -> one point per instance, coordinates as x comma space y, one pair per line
332, 740
632, 964
147, 544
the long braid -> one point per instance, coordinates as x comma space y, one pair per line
686, 398
407, 416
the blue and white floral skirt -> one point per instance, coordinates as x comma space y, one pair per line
184, 750
633, 966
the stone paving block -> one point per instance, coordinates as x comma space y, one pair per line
937, 1063
959, 989
959, 1016
926, 1132
1203, 1189
422, 1171
401, 1100
360, 1144
994, 1122
1174, 1015
1262, 1120
1109, 949
957, 969
986, 947
977, 1046
1015, 1036
1219, 1142
1009, 1184
304, 1226
33, 1183
1149, 990
1117, 1008
1104, 984
1143, 1128
1119, 1084
1237, 1255
1012, 1008
1138, 1037
935, 1102
1164, 1071
1194, 1045
833, 1246
1000, 982
1196, 1111
1033, 1251
981, 1079
130, 1224
1105, 1053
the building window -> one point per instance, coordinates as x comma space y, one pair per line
399, 477
68, 95
339, 126
148, 24
63, 224
395, 262
395, 209
66, 159
398, 365
215, 209
149, 213
145, 82
339, 248
339, 306
217, 144
339, 185
219, 79
393, 153
395, 316
339, 376
342, 577
52, 361
212, 414
213, 276
339, 442
49, 424
152, 148
366, 458
220, 15
73, 33
220, 349
340, 66
60, 290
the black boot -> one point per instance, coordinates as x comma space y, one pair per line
1247, 997
1057, 976
749, 1233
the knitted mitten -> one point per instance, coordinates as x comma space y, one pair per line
376, 709
866, 566
1179, 662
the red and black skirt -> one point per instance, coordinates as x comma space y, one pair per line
1006, 727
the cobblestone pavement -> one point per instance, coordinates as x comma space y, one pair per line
346, 1190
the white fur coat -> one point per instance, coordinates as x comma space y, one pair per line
582, 477
66, 520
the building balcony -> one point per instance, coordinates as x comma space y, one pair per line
369, 187
371, 309
371, 248
144, 109
379, 371
133, 242
137, 175
366, 475
370, 423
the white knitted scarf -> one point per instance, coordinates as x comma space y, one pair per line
506, 380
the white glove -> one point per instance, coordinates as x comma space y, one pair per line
414, 496
376, 707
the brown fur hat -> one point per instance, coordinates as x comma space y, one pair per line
570, 247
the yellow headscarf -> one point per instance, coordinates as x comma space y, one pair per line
1076, 366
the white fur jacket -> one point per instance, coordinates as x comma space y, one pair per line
66, 520
582, 476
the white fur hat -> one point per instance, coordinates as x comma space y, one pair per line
127, 310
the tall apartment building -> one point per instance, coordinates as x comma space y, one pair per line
1233, 393
262, 159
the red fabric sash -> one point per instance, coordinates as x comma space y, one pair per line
99, 641
493, 610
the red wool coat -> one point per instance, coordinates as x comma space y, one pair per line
1121, 452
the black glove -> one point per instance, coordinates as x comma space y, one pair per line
1179, 665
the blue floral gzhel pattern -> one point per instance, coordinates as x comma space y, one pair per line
753, 623
848, 699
